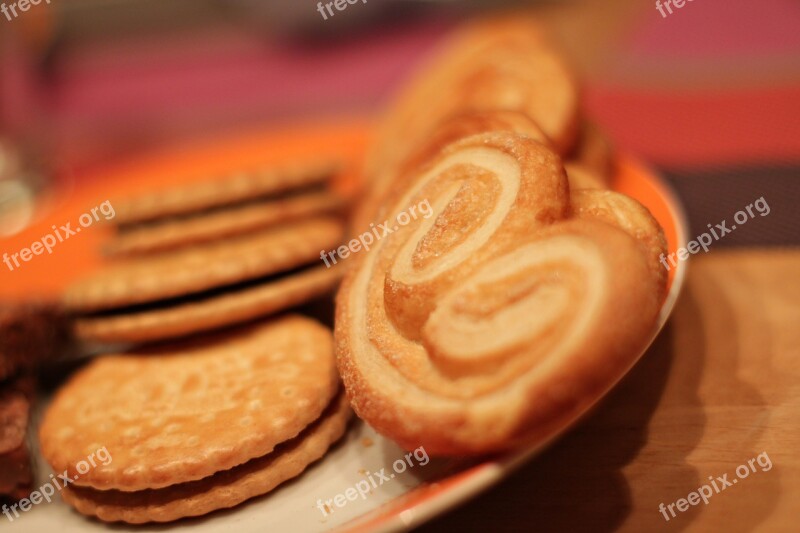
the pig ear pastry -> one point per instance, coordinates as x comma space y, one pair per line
501, 64
631, 217
450, 130
495, 320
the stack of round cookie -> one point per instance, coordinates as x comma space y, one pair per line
208, 421
212, 254
187, 429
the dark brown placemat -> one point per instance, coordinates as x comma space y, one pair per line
713, 195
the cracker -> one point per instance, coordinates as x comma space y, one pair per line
222, 490
209, 226
212, 312
225, 190
184, 412
200, 268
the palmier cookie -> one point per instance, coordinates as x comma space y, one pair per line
499, 319
223, 191
203, 313
628, 215
222, 490
218, 224
499, 64
199, 268
181, 413
451, 129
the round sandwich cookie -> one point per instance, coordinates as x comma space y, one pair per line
182, 412
269, 182
171, 233
222, 490
205, 313
201, 268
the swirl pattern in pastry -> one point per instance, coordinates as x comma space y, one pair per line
498, 318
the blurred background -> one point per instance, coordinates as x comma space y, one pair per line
709, 94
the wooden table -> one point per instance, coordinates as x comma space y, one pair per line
720, 385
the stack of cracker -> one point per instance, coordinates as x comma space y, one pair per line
187, 429
212, 254
220, 415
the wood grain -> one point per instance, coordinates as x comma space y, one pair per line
720, 385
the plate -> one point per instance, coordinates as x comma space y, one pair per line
405, 490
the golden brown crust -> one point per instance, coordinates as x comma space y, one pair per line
181, 413
631, 217
500, 318
496, 65
208, 226
225, 190
222, 490
466, 124
200, 268
450, 130
210, 313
